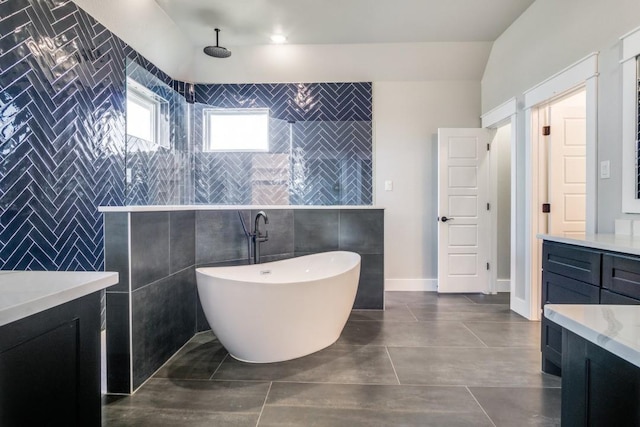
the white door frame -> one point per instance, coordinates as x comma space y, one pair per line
583, 73
500, 116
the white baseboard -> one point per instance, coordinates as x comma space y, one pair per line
411, 285
503, 285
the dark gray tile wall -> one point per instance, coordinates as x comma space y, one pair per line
149, 247
182, 240
362, 231
371, 287
163, 320
166, 247
162, 290
116, 248
219, 236
316, 230
118, 340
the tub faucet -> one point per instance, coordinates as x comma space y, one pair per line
258, 237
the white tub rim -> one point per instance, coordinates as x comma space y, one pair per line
357, 259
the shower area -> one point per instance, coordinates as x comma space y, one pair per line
247, 144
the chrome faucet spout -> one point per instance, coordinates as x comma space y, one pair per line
259, 237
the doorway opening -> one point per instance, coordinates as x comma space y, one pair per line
500, 160
559, 169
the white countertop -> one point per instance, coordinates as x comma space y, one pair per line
615, 328
23, 293
165, 208
608, 242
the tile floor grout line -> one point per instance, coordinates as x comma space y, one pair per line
264, 403
472, 301
481, 407
414, 316
220, 364
392, 365
473, 333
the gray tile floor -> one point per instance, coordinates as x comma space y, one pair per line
428, 360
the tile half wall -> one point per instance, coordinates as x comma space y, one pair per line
155, 308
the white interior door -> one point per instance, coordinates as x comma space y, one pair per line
567, 185
464, 247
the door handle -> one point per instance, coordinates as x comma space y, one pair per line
445, 219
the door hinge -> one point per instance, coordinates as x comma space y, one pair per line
546, 207
488, 146
488, 207
546, 130
487, 266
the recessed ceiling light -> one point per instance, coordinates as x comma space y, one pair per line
278, 38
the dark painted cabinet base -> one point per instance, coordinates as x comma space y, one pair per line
50, 367
598, 388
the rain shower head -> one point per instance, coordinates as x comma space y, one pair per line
217, 51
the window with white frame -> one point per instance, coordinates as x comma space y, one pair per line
631, 122
144, 114
236, 129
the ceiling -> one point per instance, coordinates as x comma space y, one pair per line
303, 22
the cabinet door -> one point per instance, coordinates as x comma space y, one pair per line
598, 388
571, 261
621, 274
558, 289
607, 297
50, 367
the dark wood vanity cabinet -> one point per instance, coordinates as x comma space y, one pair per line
578, 275
570, 275
598, 387
50, 367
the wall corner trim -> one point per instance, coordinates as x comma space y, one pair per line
572, 76
500, 113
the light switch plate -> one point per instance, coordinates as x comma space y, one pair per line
388, 186
605, 169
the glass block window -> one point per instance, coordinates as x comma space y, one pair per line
230, 129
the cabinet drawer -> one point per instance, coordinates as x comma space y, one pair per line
572, 261
621, 274
607, 297
558, 289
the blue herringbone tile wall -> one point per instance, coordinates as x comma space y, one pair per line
321, 146
62, 144
63, 147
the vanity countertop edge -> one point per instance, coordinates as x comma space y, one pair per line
608, 242
615, 328
24, 293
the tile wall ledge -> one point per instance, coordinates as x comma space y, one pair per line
169, 208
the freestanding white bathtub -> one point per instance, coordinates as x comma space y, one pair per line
280, 310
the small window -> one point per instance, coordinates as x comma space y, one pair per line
144, 109
236, 129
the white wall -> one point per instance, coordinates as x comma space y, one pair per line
407, 116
